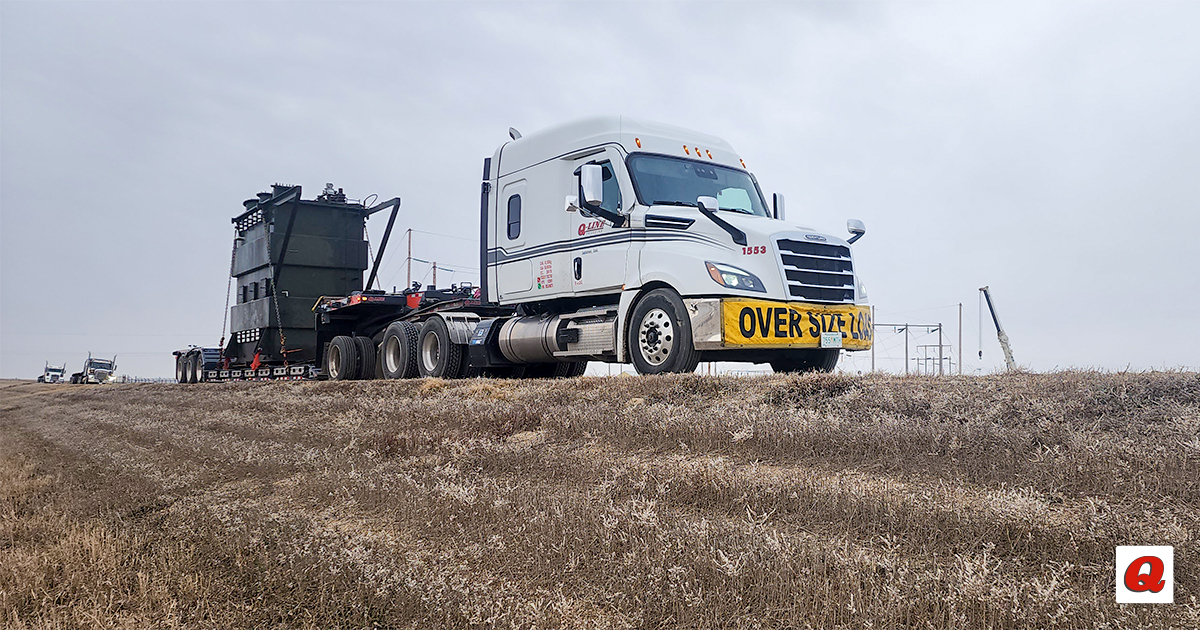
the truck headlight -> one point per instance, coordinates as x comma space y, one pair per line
734, 278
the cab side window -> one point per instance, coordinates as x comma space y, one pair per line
514, 217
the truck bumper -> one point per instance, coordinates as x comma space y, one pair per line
744, 324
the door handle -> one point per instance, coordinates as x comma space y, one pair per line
578, 268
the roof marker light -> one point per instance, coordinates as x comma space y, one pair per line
685, 150
709, 154
743, 162
638, 141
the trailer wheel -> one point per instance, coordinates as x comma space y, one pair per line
180, 370
399, 350
439, 356
341, 359
660, 335
366, 358
192, 370
822, 360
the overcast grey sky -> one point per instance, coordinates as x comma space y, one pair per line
1049, 150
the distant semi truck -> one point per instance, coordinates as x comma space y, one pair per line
607, 239
52, 374
95, 371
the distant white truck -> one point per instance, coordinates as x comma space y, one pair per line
635, 242
52, 374
94, 371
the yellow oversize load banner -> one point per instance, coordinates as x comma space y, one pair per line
782, 324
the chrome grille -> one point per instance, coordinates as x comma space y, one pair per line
817, 271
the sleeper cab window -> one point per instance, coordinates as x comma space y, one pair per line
514, 217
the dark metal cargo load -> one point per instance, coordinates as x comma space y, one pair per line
288, 253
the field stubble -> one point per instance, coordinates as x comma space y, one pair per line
700, 502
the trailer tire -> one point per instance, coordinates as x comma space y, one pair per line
439, 357
398, 354
816, 360
366, 358
180, 369
341, 359
192, 371
659, 339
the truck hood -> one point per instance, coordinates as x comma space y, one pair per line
752, 225
793, 261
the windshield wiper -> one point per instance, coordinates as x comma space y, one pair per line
737, 235
737, 210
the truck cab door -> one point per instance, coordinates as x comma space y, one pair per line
598, 248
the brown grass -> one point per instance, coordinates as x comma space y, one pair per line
691, 502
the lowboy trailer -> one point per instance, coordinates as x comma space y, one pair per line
606, 239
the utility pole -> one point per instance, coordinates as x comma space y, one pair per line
872, 338
960, 356
940, 371
906, 349
434, 285
409, 284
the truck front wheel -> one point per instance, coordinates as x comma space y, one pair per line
659, 338
823, 360
439, 356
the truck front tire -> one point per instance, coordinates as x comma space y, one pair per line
659, 339
341, 359
822, 360
439, 357
399, 350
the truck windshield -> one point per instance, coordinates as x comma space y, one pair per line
101, 365
671, 181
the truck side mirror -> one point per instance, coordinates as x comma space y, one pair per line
855, 227
777, 204
591, 180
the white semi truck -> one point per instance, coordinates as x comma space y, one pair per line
95, 371
606, 239
634, 242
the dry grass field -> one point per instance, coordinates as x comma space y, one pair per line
680, 502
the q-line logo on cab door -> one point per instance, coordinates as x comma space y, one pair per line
762, 323
590, 226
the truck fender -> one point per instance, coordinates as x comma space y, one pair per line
460, 325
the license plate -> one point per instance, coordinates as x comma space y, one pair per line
795, 324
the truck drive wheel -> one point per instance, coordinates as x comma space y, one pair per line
659, 339
366, 358
438, 355
399, 350
341, 359
822, 360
